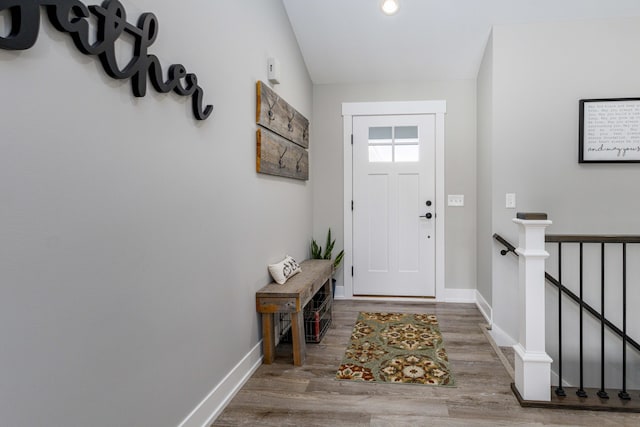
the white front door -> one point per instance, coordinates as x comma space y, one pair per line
394, 223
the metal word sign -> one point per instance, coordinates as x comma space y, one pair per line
73, 17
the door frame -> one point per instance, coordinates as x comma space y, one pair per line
351, 109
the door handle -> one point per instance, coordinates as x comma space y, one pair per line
428, 215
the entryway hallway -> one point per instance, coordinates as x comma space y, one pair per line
284, 395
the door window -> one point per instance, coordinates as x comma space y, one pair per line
393, 144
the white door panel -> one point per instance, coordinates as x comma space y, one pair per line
377, 226
393, 180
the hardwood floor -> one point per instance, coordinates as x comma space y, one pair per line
284, 395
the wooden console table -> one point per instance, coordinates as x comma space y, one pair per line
291, 298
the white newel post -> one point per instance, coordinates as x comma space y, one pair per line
532, 363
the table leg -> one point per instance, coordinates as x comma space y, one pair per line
268, 338
297, 333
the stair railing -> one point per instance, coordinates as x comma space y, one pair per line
581, 240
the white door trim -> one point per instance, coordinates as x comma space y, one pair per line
350, 109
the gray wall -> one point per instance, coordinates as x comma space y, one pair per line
539, 74
460, 165
133, 238
484, 170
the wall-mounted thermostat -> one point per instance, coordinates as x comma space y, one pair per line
273, 72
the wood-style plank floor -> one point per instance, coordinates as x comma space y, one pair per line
284, 395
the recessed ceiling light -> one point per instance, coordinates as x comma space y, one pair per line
390, 7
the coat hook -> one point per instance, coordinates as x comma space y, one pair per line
271, 105
289, 125
298, 163
281, 161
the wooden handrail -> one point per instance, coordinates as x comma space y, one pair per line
565, 290
591, 238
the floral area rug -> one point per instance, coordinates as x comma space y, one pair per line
396, 348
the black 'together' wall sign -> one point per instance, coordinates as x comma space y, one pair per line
72, 16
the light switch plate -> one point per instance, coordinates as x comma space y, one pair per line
510, 200
455, 200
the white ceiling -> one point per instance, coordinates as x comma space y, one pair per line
351, 41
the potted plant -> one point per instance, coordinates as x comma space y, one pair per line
318, 253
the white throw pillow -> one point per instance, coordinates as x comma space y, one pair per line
284, 269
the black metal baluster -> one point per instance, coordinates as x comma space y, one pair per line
580, 392
559, 390
602, 393
623, 393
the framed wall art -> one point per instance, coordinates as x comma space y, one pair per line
609, 130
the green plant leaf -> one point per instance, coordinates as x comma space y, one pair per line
338, 260
329, 246
328, 250
316, 250
317, 253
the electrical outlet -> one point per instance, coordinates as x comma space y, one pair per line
510, 200
455, 200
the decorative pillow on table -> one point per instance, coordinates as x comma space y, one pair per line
284, 269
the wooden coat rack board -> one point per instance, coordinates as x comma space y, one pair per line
283, 137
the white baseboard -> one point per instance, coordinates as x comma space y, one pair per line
460, 295
501, 337
339, 292
210, 408
484, 308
